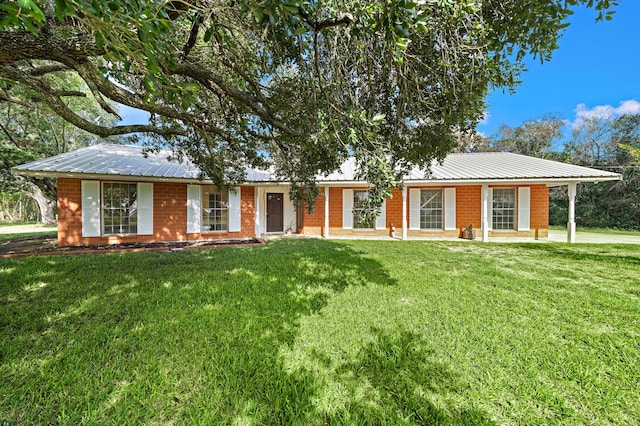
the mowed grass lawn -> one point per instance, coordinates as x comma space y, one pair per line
324, 332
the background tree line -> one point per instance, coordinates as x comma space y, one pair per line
32, 131
601, 141
604, 142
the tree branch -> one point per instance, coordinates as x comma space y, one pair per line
10, 136
56, 104
204, 77
47, 69
74, 93
13, 100
342, 19
193, 37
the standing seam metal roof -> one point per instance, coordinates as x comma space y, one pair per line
126, 160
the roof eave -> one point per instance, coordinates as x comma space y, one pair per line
564, 180
535, 180
102, 176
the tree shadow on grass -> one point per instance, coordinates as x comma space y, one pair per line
588, 252
167, 337
403, 382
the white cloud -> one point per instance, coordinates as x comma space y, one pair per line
601, 112
485, 118
629, 107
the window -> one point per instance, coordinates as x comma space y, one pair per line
431, 209
504, 208
119, 208
359, 207
215, 210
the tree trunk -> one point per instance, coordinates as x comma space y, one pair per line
45, 204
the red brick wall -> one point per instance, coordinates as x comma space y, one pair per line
468, 212
169, 212
247, 218
335, 210
335, 217
468, 207
538, 215
169, 216
69, 212
313, 223
394, 210
540, 210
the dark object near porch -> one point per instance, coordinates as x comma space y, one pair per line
469, 233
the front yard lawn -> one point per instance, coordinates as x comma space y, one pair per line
324, 332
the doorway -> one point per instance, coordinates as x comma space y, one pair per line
275, 212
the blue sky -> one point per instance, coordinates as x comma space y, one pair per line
596, 69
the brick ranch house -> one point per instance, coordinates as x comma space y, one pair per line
114, 194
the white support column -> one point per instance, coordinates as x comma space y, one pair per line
257, 211
405, 224
571, 225
485, 212
326, 212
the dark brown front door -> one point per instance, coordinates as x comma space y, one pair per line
275, 217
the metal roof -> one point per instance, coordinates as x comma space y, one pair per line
490, 166
109, 160
124, 161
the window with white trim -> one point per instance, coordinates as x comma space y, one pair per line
119, 208
504, 209
359, 207
215, 209
431, 209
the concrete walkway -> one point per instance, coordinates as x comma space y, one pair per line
554, 236
21, 229
594, 237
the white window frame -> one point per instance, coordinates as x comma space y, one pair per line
514, 209
194, 210
448, 209
348, 215
355, 211
206, 209
423, 208
134, 205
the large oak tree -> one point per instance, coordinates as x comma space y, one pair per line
30, 130
294, 84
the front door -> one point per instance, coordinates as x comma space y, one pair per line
275, 217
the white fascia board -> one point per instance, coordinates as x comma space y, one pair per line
443, 182
468, 182
111, 177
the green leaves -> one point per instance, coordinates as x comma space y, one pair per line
22, 13
61, 10
298, 84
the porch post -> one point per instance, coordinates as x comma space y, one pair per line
326, 212
571, 225
485, 212
257, 211
404, 213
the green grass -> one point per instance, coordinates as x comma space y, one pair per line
598, 230
324, 332
12, 236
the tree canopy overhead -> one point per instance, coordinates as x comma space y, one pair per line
295, 84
